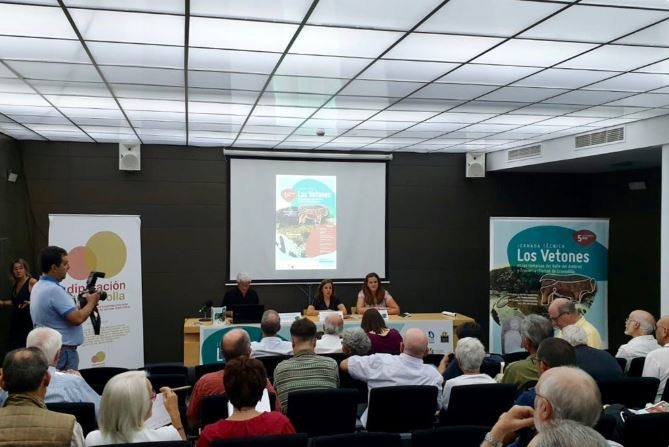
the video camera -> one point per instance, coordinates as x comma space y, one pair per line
90, 288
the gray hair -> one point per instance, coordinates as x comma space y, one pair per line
47, 340
575, 335
124, 406
569, 434
270, 323
357, 340
23, 370
333, 327
470, 354
572, 393
536, 329
243, 277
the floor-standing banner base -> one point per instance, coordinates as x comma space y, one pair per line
109, 244
535, 260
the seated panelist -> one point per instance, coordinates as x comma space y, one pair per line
374, 296
326, 299
241, 294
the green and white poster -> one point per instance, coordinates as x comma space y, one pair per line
536, 260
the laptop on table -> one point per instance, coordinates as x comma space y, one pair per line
247, 313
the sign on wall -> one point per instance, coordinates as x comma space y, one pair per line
535, 260
109, 244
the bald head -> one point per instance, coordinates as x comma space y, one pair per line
562, 312
333, 324
639, 323
662, 331
235, 343
415, 343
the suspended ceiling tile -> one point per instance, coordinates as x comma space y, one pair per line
633, 82
36, 21
380, 88
350, 42
440, 47
94, 102
487, 74
279, 10
453, 91
221, 80
43, 50
231, 96
617, 58
522, 94
293, 99
359, 102
652, 36
240, 34
399, 70
227, 60
587, 97
564, 78
137, 55
323, 66
70, 88
163, 6
644, 100
536, 53
429, 105
303, 84
56, 71
397, 14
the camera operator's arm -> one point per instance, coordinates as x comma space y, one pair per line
80, 315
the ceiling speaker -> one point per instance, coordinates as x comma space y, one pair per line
475, 165
129, 157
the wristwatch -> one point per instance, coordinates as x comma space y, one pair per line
492, 441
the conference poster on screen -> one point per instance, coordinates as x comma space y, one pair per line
536, 260
306, 222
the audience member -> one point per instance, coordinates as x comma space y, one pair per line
657, 362
640, 325
374, 296
330, 343
534, 329
235, 343
20, 322
407, 368
598, 363
325, 300
24, 420
568, 434
469, 354
270, 344
354, 341
127, 402
305, 370
562, 312
64, 387
244, 381
491, 362
384, 340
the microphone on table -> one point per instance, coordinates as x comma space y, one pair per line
207, 305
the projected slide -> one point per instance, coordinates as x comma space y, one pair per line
306, 222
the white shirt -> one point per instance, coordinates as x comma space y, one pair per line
465, 379
637, 347
271, 346
328, 344
66, 387
77, 436
166, 433
657, 365
380, 370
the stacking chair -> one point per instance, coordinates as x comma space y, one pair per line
646, 430
296, 440
213, 408
636, 367
201, 370
98, 377
270, 363
166, 368
479, 404
622, 362
84, 412
346, 381
401, 409
433, 359
515, 356
460, 435
342, 404
360, 439
632, 392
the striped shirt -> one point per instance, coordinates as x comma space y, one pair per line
304, 371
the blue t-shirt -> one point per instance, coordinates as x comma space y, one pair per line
49, 305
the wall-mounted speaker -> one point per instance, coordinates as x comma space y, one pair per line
129, 158
475, 165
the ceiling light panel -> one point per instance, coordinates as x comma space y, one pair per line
515, 119
453, 91
488, 17
429, 105
207, 134
658, 4
77, 112
95, 102
397, 14
587, 97
121, 131
647, 114
489, 128
137, 55
226, 60
656, 35
293, 99
466, 118
380, 88
240, 34
564, 78
522, 94
159, 125
488, 107
136, 75
381, 125
606, 111
350, 42
46, 50
56, 71
397, 70
569, 121
439, 47
346, 114
151, 104
294, 112
231, 96
215, 107
277, 130
71, 88
163, 6
593, 24
359, 102
617, 58
421, 134
633, 82
8, 85
108, 122
390, 115
160, 29
218, 127
22, 99
331, 127
323, 66
659, 67
36, 119
279, 10
273, 121
156, 116
36, 21
371, 133
487, 74
437, 127
221, 80
537, 53
547, 109
148, 92
326, 86
644, 100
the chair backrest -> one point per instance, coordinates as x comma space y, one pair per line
465, 404
296, 440
646, 430
433, 359
636, 367
339, 413
633, 392
83, 411
514, 356
460, 435
346, 381
360, 439
213, 408
270, 363
154, 444
98, 377
336, 356
166, 368
401, 409
201, 370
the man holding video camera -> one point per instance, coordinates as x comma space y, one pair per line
53, 307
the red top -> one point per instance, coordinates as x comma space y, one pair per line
385, 344
266, 424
